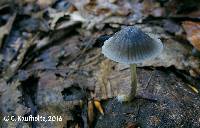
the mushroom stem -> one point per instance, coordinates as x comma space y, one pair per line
133, 81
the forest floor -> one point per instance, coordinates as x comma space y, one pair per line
51, 64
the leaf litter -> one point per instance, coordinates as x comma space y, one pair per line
55, 43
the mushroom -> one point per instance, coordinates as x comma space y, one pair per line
132, 46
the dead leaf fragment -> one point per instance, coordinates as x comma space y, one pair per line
193, 33
131, 125
103, 79
4, 30
193, 88
45, 3
172, 27
90, 113
9, 99
98, 106
14, 66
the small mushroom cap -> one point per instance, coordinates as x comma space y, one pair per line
130, 45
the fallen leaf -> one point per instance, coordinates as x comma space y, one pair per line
98, 106
14, 66
183, 8
95, 12
131, 125
193, 88
90, 112
32, 25
175, 54
104, 88
45, 3
5, 2
6, 28
193, 33
9, 99
172, 27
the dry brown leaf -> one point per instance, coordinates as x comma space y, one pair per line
193, 33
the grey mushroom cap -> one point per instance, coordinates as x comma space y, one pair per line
131, 45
